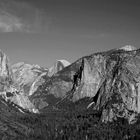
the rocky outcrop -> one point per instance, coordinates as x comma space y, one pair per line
110, 79
25, 74
5, 72
18, 98
22, 80
58, 66
38, 82
27, 78
15, 82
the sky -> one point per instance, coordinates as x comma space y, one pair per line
43, 31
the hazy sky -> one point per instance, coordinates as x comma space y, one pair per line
42, 31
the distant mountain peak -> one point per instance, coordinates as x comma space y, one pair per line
65, 62
58, 66
128, 48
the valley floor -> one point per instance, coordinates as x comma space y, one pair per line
62, 125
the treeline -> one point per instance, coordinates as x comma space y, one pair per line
63, 125
87, 125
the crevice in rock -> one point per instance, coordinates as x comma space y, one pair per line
96, 97
78, 76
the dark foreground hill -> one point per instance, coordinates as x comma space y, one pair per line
62, 125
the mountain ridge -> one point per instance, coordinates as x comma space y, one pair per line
104, 77
100, 70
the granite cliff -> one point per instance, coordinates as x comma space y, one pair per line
19, 81
5, 72
11, 88
110, 80
24, 75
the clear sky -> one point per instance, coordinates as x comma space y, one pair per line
42, 31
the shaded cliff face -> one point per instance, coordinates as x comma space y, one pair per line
110, 79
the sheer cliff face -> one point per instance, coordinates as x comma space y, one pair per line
13, 82
5, 72
115, 82
110, 79
21, 80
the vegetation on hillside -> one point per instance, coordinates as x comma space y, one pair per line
62, 125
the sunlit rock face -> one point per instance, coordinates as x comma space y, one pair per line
81, 79
58, 66
24, 102
7, 91
128, 48
119, 94
38, 82
17, 97
12, 95
25, 74
5, 72
92, 75
111, 79
16, 82
24, 79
